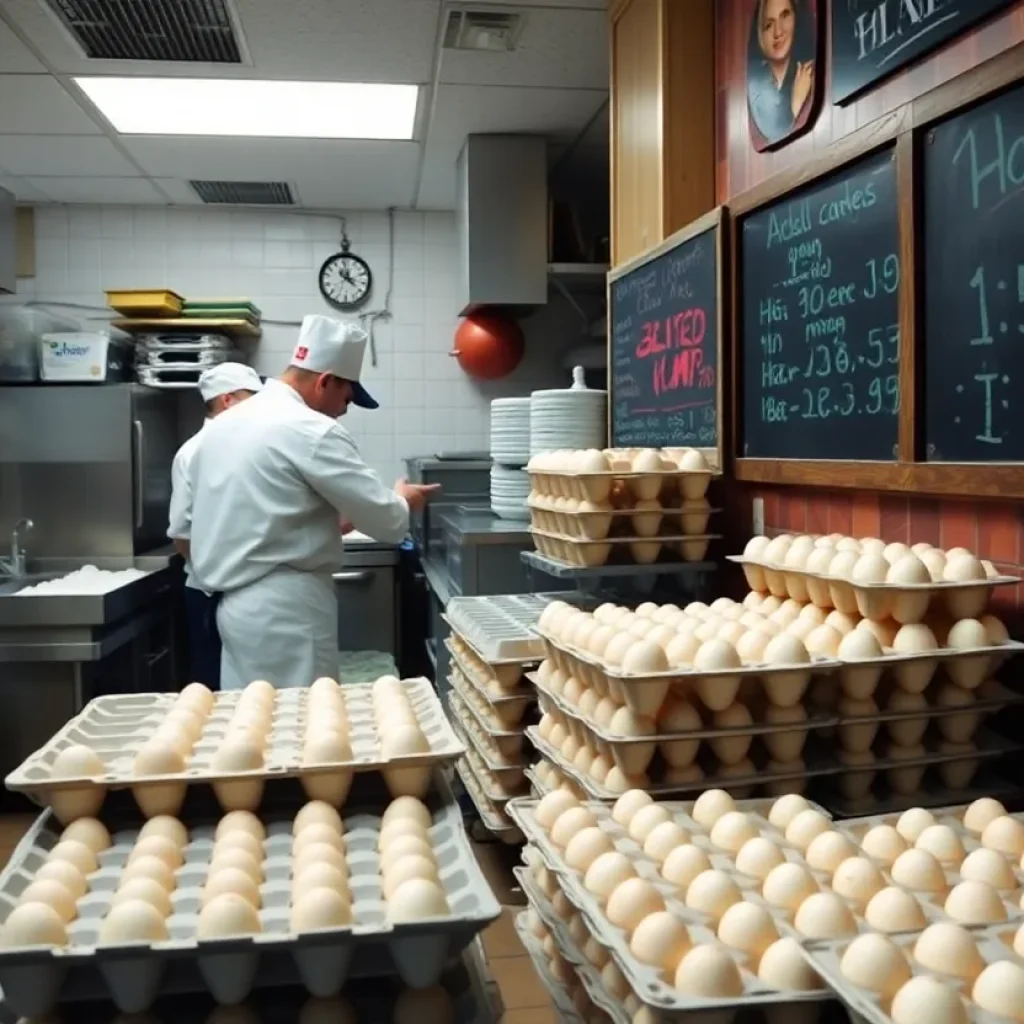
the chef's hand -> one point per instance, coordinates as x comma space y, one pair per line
416, 495
346, 526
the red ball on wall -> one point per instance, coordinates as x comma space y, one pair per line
488, 346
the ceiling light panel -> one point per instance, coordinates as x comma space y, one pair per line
246, 108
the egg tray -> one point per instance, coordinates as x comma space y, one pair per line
133, 975
647, 982
855, 828
633, 754
508, 742
494, 819
691, 518
914, 672
566, 1011
479, 743
691, 485
497, 796
644, 694
590, 554
588, 976
822, 763
994, 943
363, 1000
506, 673
509, 705
873, 600
499, 627
118, 735
538, 787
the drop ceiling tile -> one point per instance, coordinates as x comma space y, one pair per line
98, 190
86, 155
357, 40
556, 48
38, 105
15, 56
22, 190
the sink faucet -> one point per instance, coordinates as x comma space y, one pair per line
15, 565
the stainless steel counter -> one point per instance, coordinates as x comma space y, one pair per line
478, 526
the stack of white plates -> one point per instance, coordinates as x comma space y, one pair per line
575, 417
509, 490
510, 431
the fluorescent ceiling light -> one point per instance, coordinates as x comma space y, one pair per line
241, 107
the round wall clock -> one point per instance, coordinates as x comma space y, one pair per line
345, 278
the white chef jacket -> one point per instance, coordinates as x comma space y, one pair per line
269, 482
181, 496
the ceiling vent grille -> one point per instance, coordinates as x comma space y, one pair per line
494, 31
152, 30
244, 193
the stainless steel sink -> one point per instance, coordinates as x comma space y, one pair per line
10, 586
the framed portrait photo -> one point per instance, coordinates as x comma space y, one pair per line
785, 79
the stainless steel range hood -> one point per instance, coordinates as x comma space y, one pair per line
502, 218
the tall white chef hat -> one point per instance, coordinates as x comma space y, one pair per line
227, 378
336, 347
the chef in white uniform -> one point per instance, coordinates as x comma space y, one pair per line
220, 387
270, 481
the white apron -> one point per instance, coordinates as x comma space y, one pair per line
282, 628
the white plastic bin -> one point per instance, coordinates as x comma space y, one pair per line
21, 329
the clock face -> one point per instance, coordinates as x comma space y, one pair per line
345, 280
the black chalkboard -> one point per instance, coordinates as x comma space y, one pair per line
664, 346
873, 38
819, 321
973, 253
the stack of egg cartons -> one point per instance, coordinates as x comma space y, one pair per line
510, 451
355, 863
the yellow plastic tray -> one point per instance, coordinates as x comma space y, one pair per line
146, 302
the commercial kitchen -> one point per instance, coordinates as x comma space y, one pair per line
678, 340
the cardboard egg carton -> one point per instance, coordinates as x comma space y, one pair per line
645, 693
590, 554
633, 754
117, 735
507, 705
994, 944
690, 485
35, 979
589, 977
905, 602
493, 816
690, 519
510, 772
544, 778
647, 982
509, 742
758, 771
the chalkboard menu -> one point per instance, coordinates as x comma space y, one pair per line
819, 324
873, 38
664, 343
973, 184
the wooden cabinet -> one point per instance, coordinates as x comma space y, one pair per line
663, 119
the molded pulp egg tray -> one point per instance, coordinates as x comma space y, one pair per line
499, 628
648, 983
117, 727
508, 702
35, 979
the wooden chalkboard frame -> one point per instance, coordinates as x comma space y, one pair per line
717, 219
903, 128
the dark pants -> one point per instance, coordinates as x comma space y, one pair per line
203, 638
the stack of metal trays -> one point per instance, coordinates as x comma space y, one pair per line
175, 359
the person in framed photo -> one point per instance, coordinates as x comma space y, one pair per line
781, 68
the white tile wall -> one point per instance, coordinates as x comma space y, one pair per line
427, 402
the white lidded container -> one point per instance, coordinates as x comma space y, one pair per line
79, 357
21, 328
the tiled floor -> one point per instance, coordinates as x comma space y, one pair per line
525, 999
